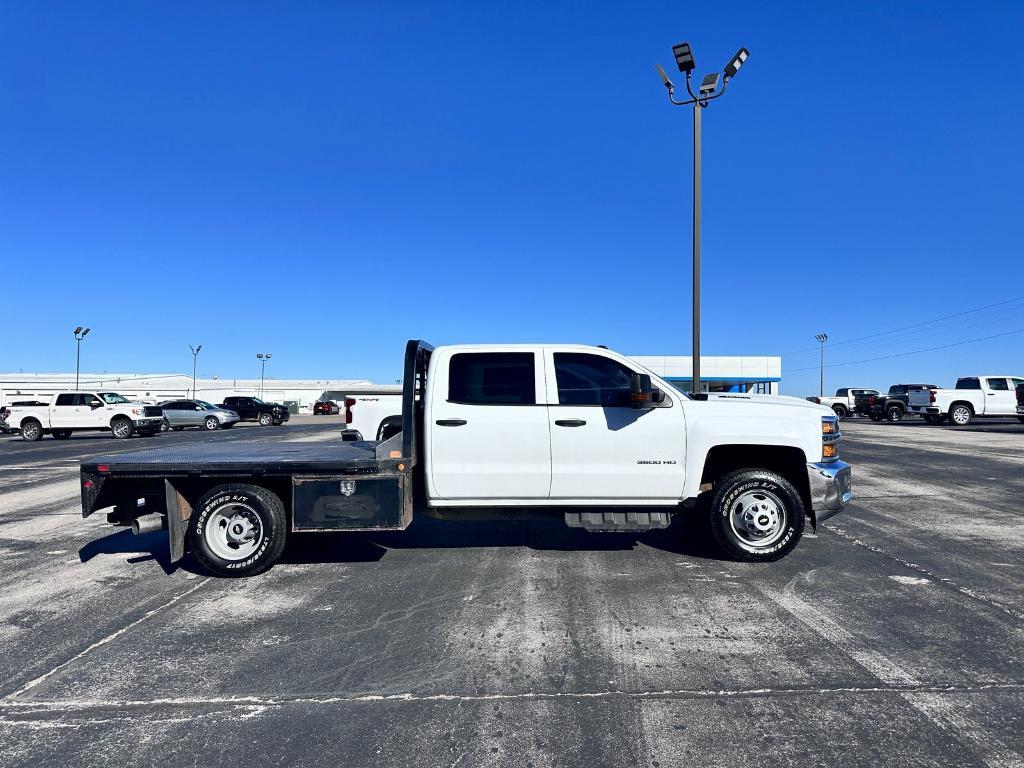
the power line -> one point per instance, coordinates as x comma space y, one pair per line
808, 350
914, 352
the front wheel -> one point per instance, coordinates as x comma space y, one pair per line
122, 428
893, 414
266, 419
237, 530
960, 415
756, 515
211, 423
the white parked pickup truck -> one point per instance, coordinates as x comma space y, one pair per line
974, 397
843, 404
86, 411
577, 432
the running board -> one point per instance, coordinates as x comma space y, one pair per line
617, 521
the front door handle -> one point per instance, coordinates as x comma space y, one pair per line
570, 422
450, 422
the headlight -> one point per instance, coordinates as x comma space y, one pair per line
137, 411
830, 437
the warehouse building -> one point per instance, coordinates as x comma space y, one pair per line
718, 374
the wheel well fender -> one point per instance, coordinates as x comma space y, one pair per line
390, 421
788, 461
955, 403
118, 417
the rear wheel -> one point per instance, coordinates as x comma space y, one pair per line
893, 414
211, 423
961, 415
840, 411
122, 428
238, 530
756, 515
31, 430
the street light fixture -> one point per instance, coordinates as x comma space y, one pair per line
195, 354
263, 357
80, 333
711, 87
822, 338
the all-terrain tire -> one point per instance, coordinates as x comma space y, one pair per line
208, 518
771, 497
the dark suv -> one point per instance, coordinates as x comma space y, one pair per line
326, 408
254, 409
891, 406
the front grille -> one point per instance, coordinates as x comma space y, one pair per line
153, 410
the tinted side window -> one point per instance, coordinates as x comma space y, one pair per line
89, 400
65, 400
492, 378
999, 384
585, 379
842, 392
969, 383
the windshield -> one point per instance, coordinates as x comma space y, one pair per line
206, 405
113, 397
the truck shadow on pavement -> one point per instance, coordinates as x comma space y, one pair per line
683, 538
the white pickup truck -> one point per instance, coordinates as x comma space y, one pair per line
371, 412
86, 411
843, 404
973, 397
577, 432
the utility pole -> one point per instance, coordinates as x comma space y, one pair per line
195, 354
80, 333
822, 338
708, 90
263, 357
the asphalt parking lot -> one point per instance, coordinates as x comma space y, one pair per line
894, 636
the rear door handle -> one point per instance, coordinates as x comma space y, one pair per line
450, 422
570, 422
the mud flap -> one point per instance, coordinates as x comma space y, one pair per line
178, 513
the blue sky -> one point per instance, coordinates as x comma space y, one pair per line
322, 180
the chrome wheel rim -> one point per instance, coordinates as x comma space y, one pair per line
30, 431
265, 419
961, 415
234, 532
211, 423
758, 518
121, 429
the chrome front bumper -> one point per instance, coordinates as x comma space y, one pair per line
831, 485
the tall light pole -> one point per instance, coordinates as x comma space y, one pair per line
80, 333
709, 90
195, 354
822, 338
263, 357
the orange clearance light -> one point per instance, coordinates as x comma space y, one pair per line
828, 451
396, 454
829, 427
401, 467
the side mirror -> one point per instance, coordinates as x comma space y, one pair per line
95, 404
199, 407
643, 394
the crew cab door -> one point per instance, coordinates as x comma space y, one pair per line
1000, 399
486, 426
601, 447
64, 413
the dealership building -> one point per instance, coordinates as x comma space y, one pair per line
718, 374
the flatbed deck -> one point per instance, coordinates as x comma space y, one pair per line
255, 459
